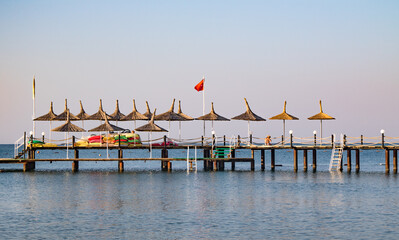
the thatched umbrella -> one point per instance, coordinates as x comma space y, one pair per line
117, 115
186, 118
212, 116
321, 116
248, 116
82, 114
64, 115
148, 114
169, 116
151, 127
100, 114
106, 127
284, 116
134, 115
67, 128
47, 117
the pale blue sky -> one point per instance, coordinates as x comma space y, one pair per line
343, 52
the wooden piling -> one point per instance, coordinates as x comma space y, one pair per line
395, 161
386, 161
262, 160
75, 166
29, 166
164, 154
253, 160
272, 159
169, 166
305, 160
295, 160
357, 160
314, 165
121, 166
233, 163
349, 160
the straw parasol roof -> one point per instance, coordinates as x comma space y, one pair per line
284, 115
321, 115
148, 114
106, 127
248, 115
151, 126
117, 115
82, 115
100, 115
68, 126
64, 115
170, 115
212, 116
47, 117
186, 117
134, 115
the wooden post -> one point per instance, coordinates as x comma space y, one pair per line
395, 161
272, 159
169, 165
357, 160
224, 140
332, 140
207, 163
383, 140
29, 166
164, 154
24, 144
262, 160
233, 163
73, 141
314, 139
349, 160
202, 140
75, 166
253, 160
314, 165
215, 165
295, 160
386, 161
121, 166
361, 140
238, 140
250, 138
305, 160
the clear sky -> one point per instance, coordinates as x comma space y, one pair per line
345, 53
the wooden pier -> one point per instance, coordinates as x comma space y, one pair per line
215, 162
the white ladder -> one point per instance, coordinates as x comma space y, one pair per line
336, 154
191, 163
17, 145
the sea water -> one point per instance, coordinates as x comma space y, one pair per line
145, 203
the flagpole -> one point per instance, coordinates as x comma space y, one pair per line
203, 102
34, 109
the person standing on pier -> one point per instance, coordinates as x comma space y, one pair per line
268, 140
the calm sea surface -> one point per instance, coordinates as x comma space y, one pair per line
145, 203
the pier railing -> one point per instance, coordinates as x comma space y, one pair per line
251, 141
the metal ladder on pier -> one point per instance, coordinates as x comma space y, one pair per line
191, 163
336, 154
17, 145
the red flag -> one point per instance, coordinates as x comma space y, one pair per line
200, 86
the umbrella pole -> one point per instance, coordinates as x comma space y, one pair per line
134, 124
321, 132
248, 130
83, 126
67, 136
169, 129
180, 131
283, 132
50, 132
107, 144
150, 145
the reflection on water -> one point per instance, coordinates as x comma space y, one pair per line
204, 205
